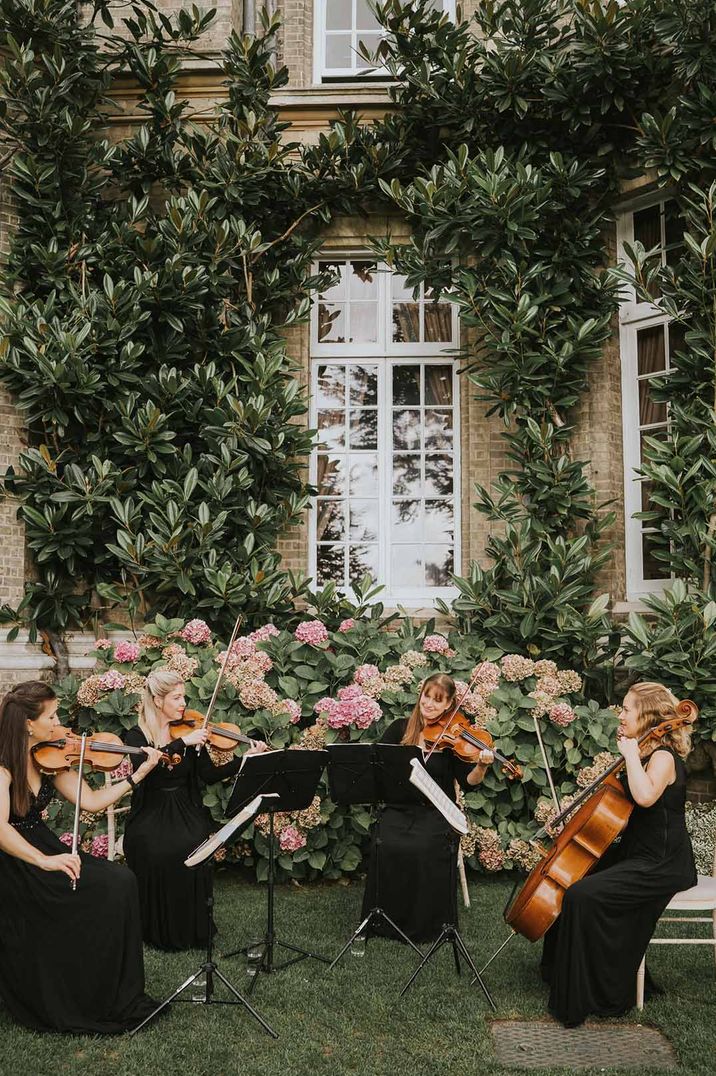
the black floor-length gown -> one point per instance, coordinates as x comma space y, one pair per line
412, 872
69, 960
166, 822
592, 953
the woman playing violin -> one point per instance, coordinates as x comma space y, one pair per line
168, 819
414, 876
48, 979
592, 953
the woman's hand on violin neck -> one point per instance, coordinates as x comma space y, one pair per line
486, 758
65, 862
153, 759
257, 747
196, 738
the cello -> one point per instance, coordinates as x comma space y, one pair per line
593, 821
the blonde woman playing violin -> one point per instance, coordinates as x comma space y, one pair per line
168, 819
70, 960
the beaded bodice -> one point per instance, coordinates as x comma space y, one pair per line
38, 804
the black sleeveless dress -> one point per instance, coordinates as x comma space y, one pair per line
412, 871
69, 960
166, 822
592, 953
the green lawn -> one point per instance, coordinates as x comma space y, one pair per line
352, 1020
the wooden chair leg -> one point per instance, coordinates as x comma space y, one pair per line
640, 984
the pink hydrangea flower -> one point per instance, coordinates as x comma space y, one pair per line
112, 680
103, 644
365, 672
100, 846
515, 667
352, 707
346, 625
562, 715
312, 632
291, 839
292, 708
263, 633
66, 838
197, 632
126, 652
261, 661
435, 644
487, 672
243, 647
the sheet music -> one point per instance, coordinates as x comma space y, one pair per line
432, 791
215, 841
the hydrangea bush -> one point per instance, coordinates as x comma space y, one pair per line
316, 685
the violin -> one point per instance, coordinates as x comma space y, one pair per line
594, 820
223, 735
456, 731
103, 751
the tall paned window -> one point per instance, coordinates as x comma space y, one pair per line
340, 28
648, 342
385, 403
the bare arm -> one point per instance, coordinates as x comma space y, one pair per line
477, 773
97, 800
14, 844
646, 783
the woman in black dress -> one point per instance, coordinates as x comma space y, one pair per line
69, 960
168, 819
412, 872
592, 953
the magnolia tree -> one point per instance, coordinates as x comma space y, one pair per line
316, 685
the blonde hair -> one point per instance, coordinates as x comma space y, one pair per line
654, 704
157, 685
444, 683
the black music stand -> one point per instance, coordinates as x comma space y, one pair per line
209, 968
372, 774
292, 776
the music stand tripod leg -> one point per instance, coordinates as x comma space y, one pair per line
439, 941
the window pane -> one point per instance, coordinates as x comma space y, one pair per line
673, 225
438, 384
653, 568
339, 14
650, 349
331, 386
363, 280
407, 521
407, 566
338, 50
406, 476
331, 476
647, 227
363, 480
406, 429
364, 521
370, 42
438, 521
331, 524
677, 341
438, 429
364, 429
332, 323
364, 323
406, 323
400, 290
330, 561
338, 291
364, 385
365, 19
647, 488
438, 322
438, 476
649, 410
362, 559
331, 425
406, 384
438, 565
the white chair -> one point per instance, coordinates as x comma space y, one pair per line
700, 898
113, 845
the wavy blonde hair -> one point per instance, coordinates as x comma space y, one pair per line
443, 683
157, 685
655, 703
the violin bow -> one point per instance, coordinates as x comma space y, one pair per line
76, 824
220, 677
456, 707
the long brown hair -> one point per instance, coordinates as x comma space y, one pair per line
655, 703
443, 683
24, 703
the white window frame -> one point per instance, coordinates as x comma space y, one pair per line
323, 76
633, 316
385, 355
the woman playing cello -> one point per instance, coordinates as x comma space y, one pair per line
167, 819
592, 953
49, 980
414, 879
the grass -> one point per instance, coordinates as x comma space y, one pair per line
352, 1020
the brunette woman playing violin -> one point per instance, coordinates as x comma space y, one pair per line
168, 819
417, 886
592, 953
49, 979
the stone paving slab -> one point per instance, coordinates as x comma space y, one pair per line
532, 1044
